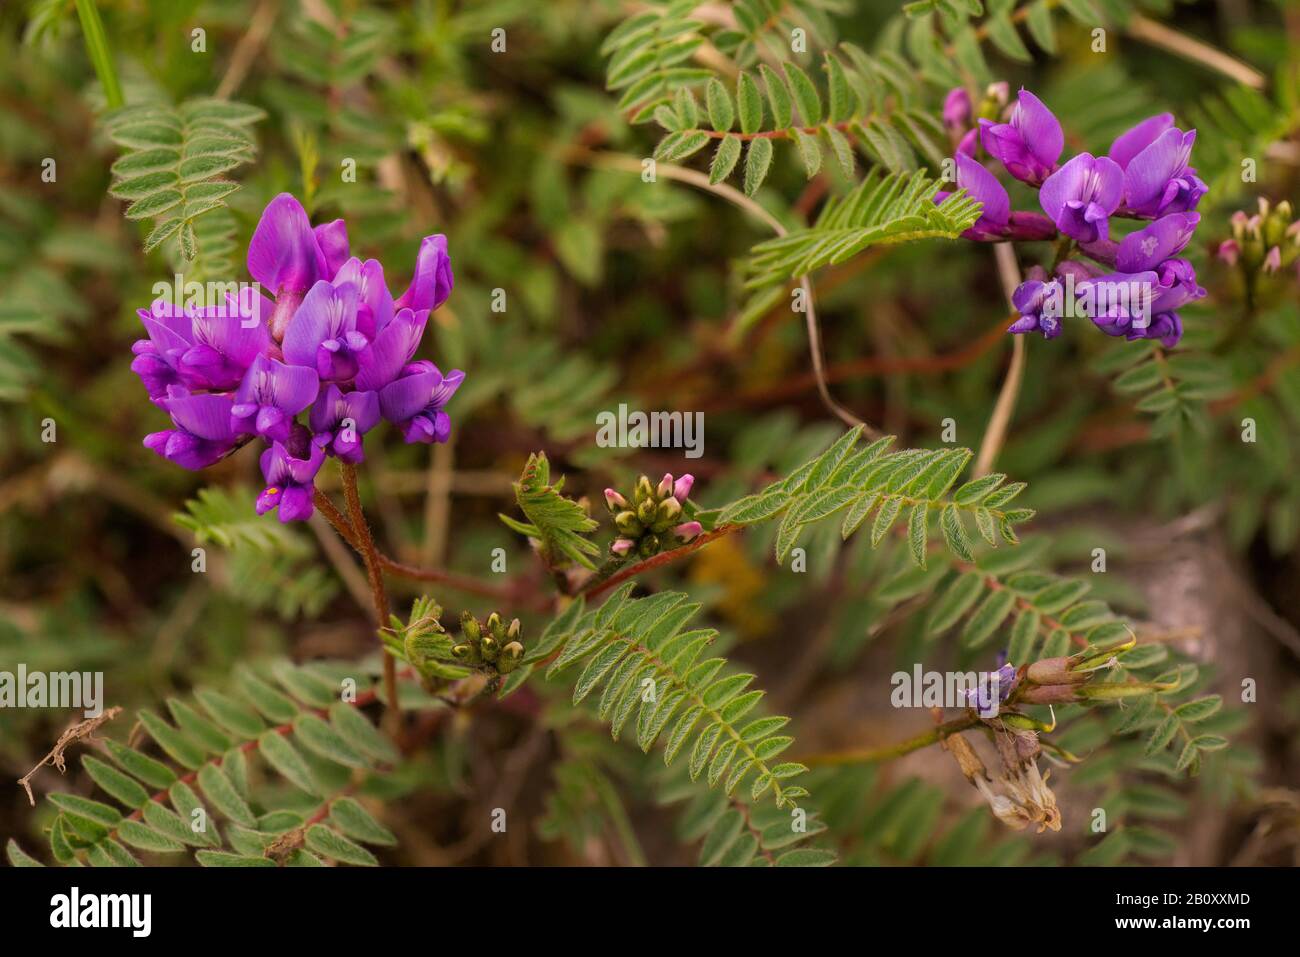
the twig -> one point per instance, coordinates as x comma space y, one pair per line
897, 750
248, 48
599, 587
995, 433
375, 572
82, 730
342, 561
1189, 48
732, 195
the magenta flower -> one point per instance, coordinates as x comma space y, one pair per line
432, 282
957, 109
338, 421
271, 394
374, 301
1158, 179
1029, 144
414, 402
290, 479
981, 185
323, 333
334, 342
202, 435
1040, 302
1081, 195
1148, 247
1133, 141
200, 348
391, 350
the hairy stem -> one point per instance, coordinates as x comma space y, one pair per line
598, 586
896, 750
375, 572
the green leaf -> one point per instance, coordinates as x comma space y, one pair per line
356, 822
147, 839
221, 793
721, 112
282, 756
750, 103
809, 151
778, 97
955, 601
805, 94
981, 626
1200, 709
335, 846
117, 784
724, 159
322, 739
916, 532
954, 533
758, 159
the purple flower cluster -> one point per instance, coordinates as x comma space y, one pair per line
1146, 175
334, 343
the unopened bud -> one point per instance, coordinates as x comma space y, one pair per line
668, 510
510, 657
469, 626
513, 631
628, 524
490, 648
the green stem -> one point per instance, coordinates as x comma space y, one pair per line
873, 755
92, 27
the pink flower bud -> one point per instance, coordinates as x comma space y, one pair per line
682, 488
621, 546
1228, 251
665, 485
1273, 260
616, 502
688, 530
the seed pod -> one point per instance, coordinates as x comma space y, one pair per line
1055, 671
1049, 694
